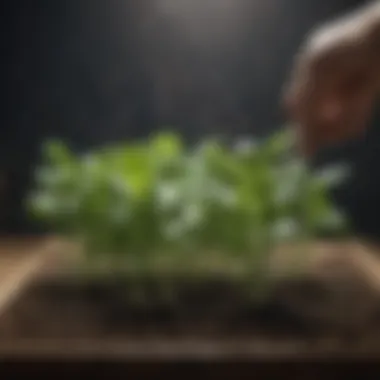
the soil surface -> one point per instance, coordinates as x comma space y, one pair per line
63, 309
67, 312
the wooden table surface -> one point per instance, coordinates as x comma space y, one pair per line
20, 261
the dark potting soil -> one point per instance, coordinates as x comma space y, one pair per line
94, 309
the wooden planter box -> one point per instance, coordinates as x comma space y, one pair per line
55, 315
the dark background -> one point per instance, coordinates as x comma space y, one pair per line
95, 71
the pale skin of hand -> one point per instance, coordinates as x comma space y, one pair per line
335, 80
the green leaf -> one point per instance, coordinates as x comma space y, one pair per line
332, 176
166, 146
57, 153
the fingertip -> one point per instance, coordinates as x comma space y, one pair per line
331, 111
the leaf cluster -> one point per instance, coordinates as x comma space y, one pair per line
157, 197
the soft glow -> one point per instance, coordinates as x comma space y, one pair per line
210, 22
